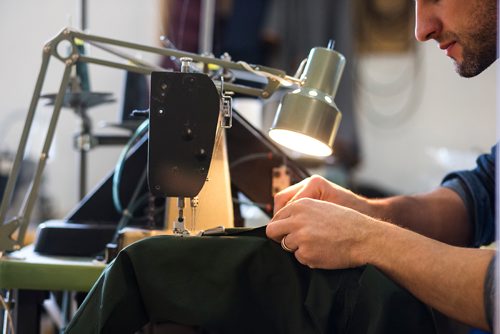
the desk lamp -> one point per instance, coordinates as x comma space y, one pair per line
307, 118
309, 110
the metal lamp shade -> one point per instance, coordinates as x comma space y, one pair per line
306, 122
307, 119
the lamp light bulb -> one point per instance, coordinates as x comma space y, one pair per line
299, 142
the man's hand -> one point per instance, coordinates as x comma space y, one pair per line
321, 234
317, 187
330, 236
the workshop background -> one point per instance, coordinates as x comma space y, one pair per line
410, 118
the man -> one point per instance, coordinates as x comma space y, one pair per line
329, 227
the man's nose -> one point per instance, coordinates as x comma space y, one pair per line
427, 24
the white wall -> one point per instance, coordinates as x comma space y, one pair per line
25, 26
452, 113
449, 122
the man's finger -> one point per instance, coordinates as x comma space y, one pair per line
284, 196
279, 226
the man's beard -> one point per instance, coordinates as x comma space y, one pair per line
477, 56
479, 49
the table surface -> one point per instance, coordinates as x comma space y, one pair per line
26, 269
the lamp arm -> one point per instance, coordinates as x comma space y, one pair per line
29, 203
275, 78
8, 228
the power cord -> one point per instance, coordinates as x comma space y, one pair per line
9, 315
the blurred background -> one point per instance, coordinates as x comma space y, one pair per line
408, 117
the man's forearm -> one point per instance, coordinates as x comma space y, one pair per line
440, 215
450, 279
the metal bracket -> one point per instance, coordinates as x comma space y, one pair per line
227, 112
6, 231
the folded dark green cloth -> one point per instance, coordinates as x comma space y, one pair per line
242, 283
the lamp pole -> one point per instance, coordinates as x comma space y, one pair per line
83, 15
205, 36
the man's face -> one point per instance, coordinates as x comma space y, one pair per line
465, 29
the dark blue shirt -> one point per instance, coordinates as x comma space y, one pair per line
476, 187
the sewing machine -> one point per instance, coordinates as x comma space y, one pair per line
185, 146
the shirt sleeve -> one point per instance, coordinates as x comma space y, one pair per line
476, 187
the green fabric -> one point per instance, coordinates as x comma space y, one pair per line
243, 283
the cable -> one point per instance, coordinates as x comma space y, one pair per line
121, 162
168, 44
9, 315
287, 81
407, 84
300, 69
393, 86
394, 101
250, 157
